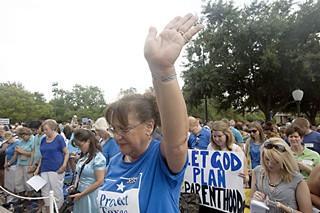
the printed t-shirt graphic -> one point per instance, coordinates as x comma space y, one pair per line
124, 195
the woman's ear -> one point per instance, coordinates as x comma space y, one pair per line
150, 126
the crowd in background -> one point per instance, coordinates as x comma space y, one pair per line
27, 150
281, 161
21, 156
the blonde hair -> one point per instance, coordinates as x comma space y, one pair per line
192, 121
7, 135
52, 124
286, 160
224, 128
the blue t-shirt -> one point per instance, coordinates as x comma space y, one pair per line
145, 185
110, 148
237, 135
255, 153
26, 146
312, 141
71, 148
201, 140
10, 152
52, 154
37, 141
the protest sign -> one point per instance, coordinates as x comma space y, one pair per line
214, 176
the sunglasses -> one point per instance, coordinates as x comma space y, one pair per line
252, 131
279, 147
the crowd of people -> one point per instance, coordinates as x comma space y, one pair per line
136, 154
282, 169
120, 179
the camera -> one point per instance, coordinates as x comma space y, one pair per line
69, 200
73, 191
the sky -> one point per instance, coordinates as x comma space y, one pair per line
90, 43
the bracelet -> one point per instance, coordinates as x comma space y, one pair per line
166, 78
292, 211
9, 163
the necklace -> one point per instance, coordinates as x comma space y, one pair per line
126, 157
273, 184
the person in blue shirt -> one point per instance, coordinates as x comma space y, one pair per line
311, 138
53, 162
38, 136
24, 153
109, 146
236, 133
11, 162
199, 137
3, 147
147, 175
90, 172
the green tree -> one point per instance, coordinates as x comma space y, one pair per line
127, 91
85, 102
247, 58
19, 105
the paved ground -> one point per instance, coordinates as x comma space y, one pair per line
4, 210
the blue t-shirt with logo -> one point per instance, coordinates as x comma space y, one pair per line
145, 185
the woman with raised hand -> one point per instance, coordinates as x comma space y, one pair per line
278, 182
147, 175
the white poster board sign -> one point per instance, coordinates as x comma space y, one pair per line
214, 176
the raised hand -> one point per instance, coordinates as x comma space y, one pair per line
162, 51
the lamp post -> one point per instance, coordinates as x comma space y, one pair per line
206, 109
54, 90
297, 96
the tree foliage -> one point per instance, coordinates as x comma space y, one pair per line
253, 57
19, 105
123, 92
85, 102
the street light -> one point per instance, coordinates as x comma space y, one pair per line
206, 109
54, 90
297, 96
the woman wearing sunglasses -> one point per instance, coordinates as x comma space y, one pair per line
253, 145
278, 182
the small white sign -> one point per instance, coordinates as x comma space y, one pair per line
4, 121
36, 182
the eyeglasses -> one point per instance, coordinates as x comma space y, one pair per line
122, 131
279, 147
80, 144
252, 131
